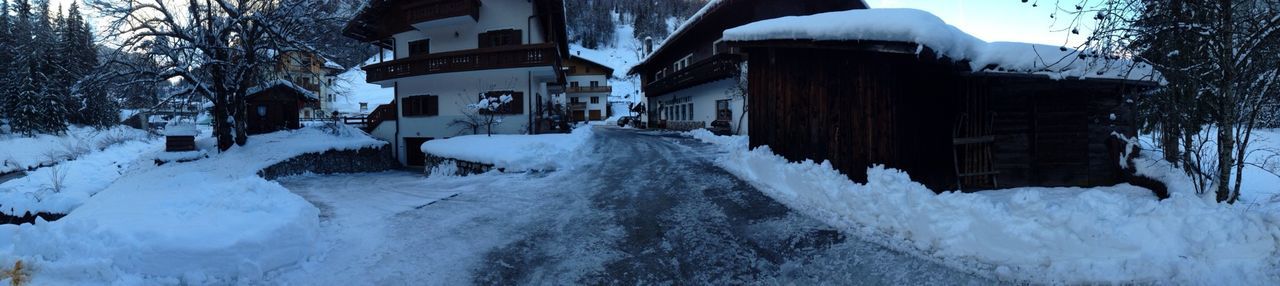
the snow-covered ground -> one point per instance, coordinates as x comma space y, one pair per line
515, 152
209, 221
1119, 234
21, 153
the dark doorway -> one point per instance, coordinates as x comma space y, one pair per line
413, 155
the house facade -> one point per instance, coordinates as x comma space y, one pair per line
692, 79
587, 89
313, 73
449, 54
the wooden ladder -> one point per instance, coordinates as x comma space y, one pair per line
971, 153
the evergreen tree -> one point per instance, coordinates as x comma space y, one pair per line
95, 108
6, 59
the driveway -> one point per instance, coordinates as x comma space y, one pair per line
647, 208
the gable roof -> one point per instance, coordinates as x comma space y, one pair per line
714, 17
608, 70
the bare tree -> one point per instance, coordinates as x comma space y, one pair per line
1220, 58
219, 48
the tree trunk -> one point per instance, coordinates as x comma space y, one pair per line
1170, 135
1226, 106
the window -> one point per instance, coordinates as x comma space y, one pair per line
419, 47
682, 63
595, 100
421, 105
516, 106
595, 83
498, 38
575, 99
722, 110
573, 84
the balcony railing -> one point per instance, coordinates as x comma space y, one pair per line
468, 60
584, 89
716, 67
578, 106
442, 10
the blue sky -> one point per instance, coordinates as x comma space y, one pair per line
992, 20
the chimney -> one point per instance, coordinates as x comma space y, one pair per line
648, 45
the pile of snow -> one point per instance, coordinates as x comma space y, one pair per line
22, 153
515, 152
925, 29
212, 221
180, 129
1119, 234
355, 89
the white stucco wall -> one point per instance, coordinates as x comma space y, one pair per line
386, 131
457, 90
704, 99
463, 34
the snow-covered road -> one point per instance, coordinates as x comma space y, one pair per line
646, 209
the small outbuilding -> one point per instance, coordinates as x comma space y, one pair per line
900, 87
274, 106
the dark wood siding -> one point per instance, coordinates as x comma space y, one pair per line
858, 108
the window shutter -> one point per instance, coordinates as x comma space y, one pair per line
517, 103
433, 105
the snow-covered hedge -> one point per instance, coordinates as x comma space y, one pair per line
515, 152
1060, 235
21, 153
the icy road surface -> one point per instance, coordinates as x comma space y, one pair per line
646, 209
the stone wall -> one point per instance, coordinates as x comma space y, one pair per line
458, 168
371, 159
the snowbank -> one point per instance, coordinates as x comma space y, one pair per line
207, 221
925, 29
63, 187
515, 152
21, 153
1114, 234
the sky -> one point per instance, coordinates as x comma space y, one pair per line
992, 20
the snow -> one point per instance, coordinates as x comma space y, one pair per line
285, 83
1119, 234
355, 89
925, 29
211, 221
515, 152
22, 153
180, 129
624, 52
693, 20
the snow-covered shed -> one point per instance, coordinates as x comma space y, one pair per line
274, 106
902, 88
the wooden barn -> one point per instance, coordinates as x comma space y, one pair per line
909, 106
275, 106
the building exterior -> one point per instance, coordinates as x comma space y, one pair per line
449, 54
276, 106
588, 89
952, 120
691, 80
313, 73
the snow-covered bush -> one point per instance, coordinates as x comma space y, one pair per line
17, 275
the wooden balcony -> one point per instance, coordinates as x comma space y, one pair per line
588, 89
469, 60
717, 67
443, 9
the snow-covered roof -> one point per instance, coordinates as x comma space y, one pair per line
929, 31
329, 64
588, 58
284, 83
180, 129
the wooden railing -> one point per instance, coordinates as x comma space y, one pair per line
578, 106
716, 67
468, 60
442, 10
370, 122
579, 89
